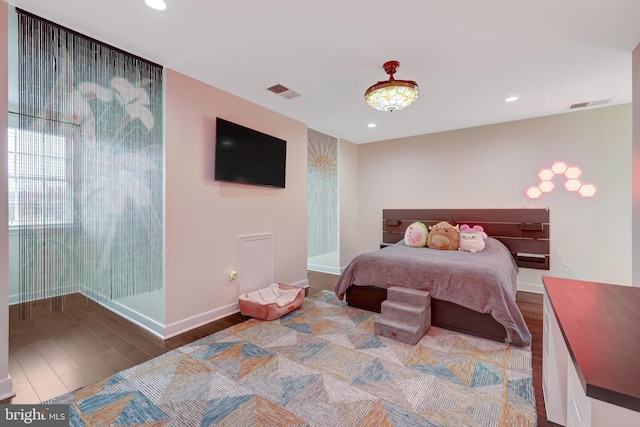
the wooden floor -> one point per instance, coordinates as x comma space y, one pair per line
60, 351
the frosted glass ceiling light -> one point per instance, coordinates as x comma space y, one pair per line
392, 94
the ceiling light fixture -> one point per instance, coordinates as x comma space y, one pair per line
511, 99
156, 4
371, 125
392, 95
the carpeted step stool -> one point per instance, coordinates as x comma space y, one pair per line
405, 316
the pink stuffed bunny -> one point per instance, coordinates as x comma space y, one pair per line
472, 238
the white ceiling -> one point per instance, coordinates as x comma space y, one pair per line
466, 55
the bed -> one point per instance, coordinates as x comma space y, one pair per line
480, 303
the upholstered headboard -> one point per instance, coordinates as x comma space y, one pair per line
525, 232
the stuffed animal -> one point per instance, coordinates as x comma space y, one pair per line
472, 238
443, 236
416, 235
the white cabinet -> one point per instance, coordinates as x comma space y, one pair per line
579, 405
554, 367
606, 414
565, 399
583, 411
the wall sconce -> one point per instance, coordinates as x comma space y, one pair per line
571, 184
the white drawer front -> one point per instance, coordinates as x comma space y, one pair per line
579, 405
554, 368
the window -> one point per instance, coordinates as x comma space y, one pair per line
40, 179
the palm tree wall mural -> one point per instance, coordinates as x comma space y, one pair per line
100, 230
322, 171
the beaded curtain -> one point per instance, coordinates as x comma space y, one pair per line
89, 171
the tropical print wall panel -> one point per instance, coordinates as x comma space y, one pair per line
322, 170
93, 212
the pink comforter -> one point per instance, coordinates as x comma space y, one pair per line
483, 281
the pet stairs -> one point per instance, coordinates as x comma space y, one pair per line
405, 316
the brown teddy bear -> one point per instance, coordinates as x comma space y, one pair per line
443, 236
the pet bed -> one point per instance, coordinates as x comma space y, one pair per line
272, 302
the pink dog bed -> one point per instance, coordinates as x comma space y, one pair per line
272, 302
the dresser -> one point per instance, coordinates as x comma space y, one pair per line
591, 353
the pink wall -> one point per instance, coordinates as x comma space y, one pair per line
635, 274
204, 218
492, 167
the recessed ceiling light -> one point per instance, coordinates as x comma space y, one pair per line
156, 4
371, 125
511, 99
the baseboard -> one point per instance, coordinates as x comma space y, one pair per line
531, 287
6, 388
162, 331
301, 284
185, 325
325, 269
133, 316
15, 299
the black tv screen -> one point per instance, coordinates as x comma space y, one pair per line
247, 156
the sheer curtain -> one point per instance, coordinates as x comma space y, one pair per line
87, 183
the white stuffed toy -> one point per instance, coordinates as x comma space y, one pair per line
472, 238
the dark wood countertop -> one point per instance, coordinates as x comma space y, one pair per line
601, 327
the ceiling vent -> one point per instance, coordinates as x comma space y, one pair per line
283, 91
589, 104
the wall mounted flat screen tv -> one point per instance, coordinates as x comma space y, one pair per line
247, 156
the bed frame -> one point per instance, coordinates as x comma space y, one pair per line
525, 232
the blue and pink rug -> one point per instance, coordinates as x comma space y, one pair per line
321, 365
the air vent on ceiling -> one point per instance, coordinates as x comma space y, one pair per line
589, 104
283, 91
278, 89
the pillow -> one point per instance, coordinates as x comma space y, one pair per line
416, 235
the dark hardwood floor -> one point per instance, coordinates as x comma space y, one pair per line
59, 351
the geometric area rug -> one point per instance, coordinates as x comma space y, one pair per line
321, 365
